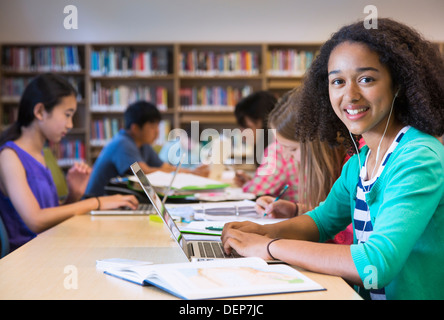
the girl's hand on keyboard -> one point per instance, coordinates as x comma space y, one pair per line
245, 226
117, 201
246, 244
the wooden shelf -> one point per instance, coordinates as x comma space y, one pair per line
216, 117
277, 67
133, 77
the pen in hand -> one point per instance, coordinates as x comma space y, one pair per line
279, 196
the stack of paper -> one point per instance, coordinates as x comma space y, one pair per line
184, 183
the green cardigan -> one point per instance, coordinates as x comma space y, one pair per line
405, 252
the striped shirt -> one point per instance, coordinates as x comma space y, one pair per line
361, 216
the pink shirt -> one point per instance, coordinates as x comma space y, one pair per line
273, 174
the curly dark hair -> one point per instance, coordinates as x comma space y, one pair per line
415, 66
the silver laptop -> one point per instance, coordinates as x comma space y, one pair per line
142, 208
194, 250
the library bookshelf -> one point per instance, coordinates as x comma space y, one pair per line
187, 81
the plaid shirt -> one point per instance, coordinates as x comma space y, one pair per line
273, 174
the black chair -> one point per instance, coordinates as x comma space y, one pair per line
4, 240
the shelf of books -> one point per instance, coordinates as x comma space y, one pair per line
286, 65
186, 81
121, 74
219, 60
214, 77
20, 63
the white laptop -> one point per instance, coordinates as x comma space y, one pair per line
143, 208
194, 250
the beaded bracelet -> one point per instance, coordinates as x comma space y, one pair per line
268, 248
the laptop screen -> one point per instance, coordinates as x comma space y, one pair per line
157, 203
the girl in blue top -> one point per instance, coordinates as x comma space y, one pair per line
28, 196
385, 85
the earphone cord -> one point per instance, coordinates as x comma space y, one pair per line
377, 156
382, 138
380, 141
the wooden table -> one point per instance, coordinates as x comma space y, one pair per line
60, 263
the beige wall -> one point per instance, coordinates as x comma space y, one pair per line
205, 20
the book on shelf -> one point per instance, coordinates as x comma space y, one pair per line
288, 62
117, 98
127, 61
41, 58
103, 130
210, 63
212, 98
68, 151
218, 278
13, 87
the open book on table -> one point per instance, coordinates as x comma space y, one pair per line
218, 279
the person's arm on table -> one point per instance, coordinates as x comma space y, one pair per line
295, 246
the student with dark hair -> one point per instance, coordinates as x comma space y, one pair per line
131, 144
273, 171
29, 202
386, 85
253, 111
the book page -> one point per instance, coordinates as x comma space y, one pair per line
234, 277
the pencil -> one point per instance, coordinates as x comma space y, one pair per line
279, 196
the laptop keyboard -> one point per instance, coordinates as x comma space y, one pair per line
144, 207
211, 249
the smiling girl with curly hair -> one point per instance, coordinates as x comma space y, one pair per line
386, 86
416, 70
